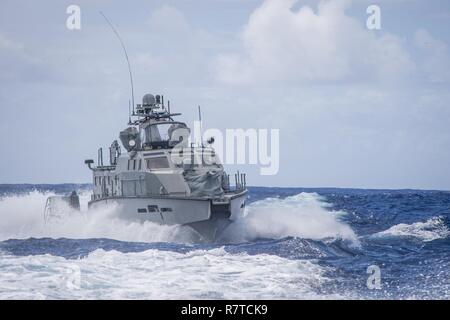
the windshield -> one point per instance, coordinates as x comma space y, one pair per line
165, 132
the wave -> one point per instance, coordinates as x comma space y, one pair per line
432, 229
305, 215
155, 274
21, 217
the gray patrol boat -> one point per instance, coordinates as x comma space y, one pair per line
163, 178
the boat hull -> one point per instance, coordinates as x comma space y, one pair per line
208, 217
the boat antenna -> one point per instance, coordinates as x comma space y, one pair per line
126, 55
200, 120
129, 111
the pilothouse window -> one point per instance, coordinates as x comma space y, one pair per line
157, 163
166, 134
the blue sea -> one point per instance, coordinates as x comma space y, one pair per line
292, 243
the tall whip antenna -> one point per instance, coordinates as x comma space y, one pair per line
201, 125
126, 56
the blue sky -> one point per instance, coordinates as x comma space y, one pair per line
355, 107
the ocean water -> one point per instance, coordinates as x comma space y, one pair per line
292, 243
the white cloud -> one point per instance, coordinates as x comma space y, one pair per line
351, 132
16, 64
7, 44
436, 58
148, 61
173, 49
280, 44
169, 20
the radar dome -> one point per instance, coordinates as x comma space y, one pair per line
148, 100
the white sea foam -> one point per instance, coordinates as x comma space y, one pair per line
156, 274
21, 217
429, 230
304, 215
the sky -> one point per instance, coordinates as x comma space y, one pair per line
355, 107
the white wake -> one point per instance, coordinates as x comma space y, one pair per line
305, 215
22, 217
155, 274
159, 274
432, 229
